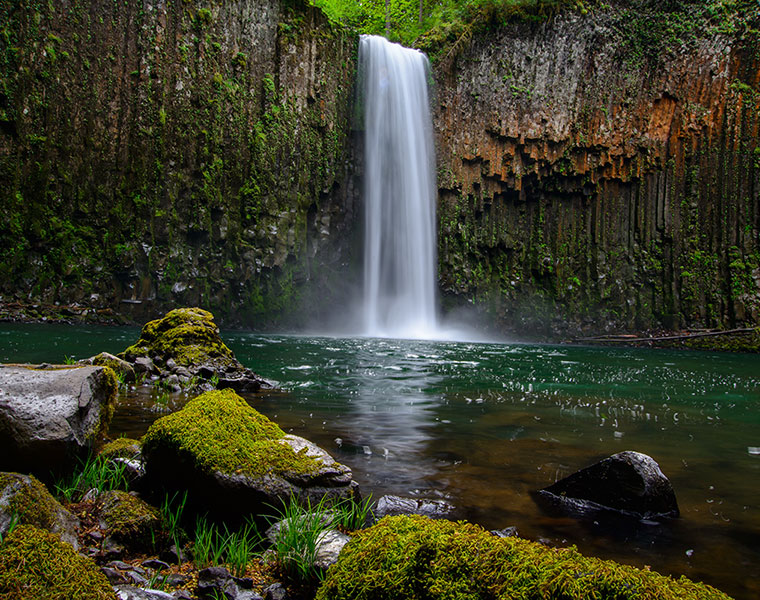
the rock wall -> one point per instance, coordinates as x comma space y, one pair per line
161, 153
601, 171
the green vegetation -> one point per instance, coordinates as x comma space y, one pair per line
29, 502
93, 472
223, 433
171, 512
428, 23
37, 565
122, 447
189, 336
220, 546
415, 557
129, 519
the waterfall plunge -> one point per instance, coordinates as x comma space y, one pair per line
399, 192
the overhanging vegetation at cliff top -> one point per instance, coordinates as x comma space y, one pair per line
436, 25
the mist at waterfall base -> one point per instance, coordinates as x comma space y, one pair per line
399, 296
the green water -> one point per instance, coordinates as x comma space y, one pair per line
484, 425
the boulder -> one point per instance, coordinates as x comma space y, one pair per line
128, 520
26, 501
49, 417
36, 564
627, 482
396, 505
186, 342
121, 367
231, 458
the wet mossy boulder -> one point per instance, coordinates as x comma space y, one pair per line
24, 500
50, 417
184, 347
232, 458
128, 520
37, 565
412, 556
121, 448
121, 367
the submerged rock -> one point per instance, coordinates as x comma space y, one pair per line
48, 417
396, 505
26, 501
232, 458
185, 345
628, 482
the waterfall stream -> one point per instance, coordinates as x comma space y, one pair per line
399, 192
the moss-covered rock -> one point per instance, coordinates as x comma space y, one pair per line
27, 501
224, 451
121, 448
185, 343
415, 557
37, 565
128, 519
121, 367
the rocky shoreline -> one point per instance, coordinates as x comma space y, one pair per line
216, 501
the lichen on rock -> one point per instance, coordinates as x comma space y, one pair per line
25, 499
128, 519
36, 564
415, 557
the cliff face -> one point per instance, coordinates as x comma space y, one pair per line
165, 153
602, 171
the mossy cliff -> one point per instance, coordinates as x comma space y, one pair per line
600, 170
166, 153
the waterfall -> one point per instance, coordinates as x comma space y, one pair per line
399, 192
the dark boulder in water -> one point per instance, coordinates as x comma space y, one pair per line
628, 482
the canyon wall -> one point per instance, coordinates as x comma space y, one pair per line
600, 172
162, 153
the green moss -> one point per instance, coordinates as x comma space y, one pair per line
107, 385
129, 519
120, 448
222, 433
189, 336
415, 557
37, 565
31, 501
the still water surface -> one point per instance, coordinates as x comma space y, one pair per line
484, 425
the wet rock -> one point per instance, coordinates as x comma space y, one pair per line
156, 565
120, 366
144, 366
128, 520
47, 418
187, 341
131, 592
628, 482
235, 460
329, 545
276, 591
113, 576
506, 532
27, 501
216, 582
396, 505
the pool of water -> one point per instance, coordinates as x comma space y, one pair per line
484, 425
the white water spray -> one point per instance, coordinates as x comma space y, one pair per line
399, 192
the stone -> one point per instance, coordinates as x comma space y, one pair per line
396, 505
506, 532
49, 418
627, 482
215, 582
128, 520
120, 366
144, 365
232, 459
188, 338
329, 544
28, 502
155, 564
113, 576
276, 591
131, 592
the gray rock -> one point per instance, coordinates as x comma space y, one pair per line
329, 545
18, 490
276, 591
216, 582
152, 563
113, 576
119, 365
627, 482
130, 592
144, 365
506, 532
49, 417
396, 505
